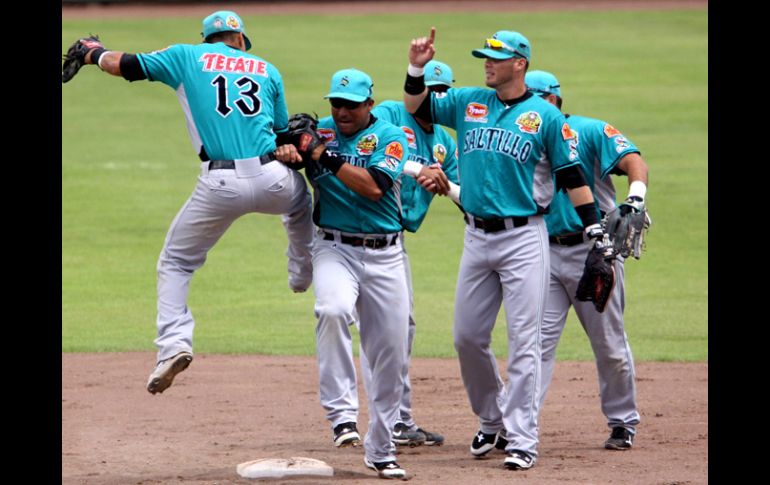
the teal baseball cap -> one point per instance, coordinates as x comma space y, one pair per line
542, 82
351, 84
505, 44
438, 73
224, 21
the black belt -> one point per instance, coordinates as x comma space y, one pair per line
368, 242
496, 223
567, 240
230, 164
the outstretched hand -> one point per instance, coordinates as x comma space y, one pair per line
421, 51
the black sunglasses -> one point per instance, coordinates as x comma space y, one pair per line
344, 103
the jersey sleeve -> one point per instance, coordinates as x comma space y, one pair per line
281, 114
560, 142
165, 65
443, 107
612, 146
390, 155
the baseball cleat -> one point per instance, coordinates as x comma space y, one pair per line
501, 441
403, 436
483, 443
165, 371
431, 439
346, 434
518, 460
386, 469
620, 439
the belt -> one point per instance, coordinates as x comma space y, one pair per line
567, 239
371, 242
230, 164
495, 224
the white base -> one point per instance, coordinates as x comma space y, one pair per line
282, 467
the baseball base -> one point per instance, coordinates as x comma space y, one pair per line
281, 467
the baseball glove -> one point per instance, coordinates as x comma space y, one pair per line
75, 58
598, 278
302, 133
626, 227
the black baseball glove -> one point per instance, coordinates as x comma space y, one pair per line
626, 226
303, 135
598, 278
75, 58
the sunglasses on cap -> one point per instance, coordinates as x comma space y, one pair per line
499, 45
345, 103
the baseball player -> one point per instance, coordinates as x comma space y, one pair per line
510, 144
428, 145
234, 107
603, 151
358, 264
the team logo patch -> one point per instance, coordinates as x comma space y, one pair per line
410, 136
610, 130
232, 22
622, 143
395, 150
437, 71
567, 133
530, 122
367, 144
389, 163
439, 152
218, 24
344, 81
476, 112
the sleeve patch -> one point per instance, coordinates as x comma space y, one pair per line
610, 130
395, 150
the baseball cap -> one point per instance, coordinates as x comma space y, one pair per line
505, 44
224, 21
542, 82
438, 73
351, 84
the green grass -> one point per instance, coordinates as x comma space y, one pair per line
127, 168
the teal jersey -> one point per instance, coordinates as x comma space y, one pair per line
601, 147
424, 148
507, 154
233, 101
381, 146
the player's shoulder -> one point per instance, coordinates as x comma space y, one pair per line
326, 122
385, 128
542, 106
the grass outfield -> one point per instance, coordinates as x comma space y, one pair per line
127, 168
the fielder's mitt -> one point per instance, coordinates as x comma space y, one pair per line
626, 226
302, 133
75, 58
598, 276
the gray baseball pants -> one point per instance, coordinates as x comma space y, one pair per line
605, 331
509, 267
220, 197
369, 283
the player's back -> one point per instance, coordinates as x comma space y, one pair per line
231, 99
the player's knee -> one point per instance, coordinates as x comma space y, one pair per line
334, 311
468, 340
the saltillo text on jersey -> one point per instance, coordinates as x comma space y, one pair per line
497, 140
213, 62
